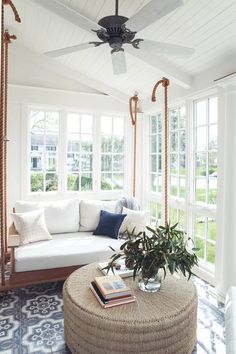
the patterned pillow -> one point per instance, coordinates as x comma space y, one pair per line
31, 226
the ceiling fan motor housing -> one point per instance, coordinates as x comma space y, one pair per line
115, 33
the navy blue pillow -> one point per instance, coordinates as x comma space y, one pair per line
109, 224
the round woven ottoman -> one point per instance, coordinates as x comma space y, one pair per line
158, 323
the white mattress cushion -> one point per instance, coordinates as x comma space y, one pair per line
90, 213
31, 226
65, 250
135, 220
60, 216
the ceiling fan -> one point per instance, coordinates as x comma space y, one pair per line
118, 31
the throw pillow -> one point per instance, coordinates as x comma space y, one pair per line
31, 226
135, 220
109, 224
90, 212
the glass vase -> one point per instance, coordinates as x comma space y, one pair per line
150, 285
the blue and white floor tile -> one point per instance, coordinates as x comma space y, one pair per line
31, 320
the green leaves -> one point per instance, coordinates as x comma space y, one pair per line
163, 248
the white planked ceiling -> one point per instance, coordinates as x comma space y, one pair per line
208, 26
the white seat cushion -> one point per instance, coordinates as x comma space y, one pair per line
90, 213
61, 216
230, 321
64, 250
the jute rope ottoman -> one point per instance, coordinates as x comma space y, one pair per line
158, 323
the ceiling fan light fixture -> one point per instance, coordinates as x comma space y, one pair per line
118, 61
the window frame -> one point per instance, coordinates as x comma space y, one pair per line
62, 142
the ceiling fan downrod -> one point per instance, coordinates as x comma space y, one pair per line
117, 7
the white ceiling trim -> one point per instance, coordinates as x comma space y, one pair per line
56, 67
176, 75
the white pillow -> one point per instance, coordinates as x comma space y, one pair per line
134, 219
90, 213
60, 216
31, 226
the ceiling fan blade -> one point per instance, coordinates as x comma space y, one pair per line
68, 50
151, 12
166, 48
118, 62
69, 14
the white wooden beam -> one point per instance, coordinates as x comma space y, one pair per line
72, 16
56, 67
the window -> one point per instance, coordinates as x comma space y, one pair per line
177, 152
112, 153
44, 130
79, 152
74, 151
205, 112
177, 216
205, 178
155, 214
156, 153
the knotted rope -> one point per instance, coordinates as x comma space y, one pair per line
165, 83
133, 114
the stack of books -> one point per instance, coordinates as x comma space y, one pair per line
111, 291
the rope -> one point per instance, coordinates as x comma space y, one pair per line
133, 115
2, 129
9, 2
165, 83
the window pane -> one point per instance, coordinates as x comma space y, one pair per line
106, 144
159, 142
118, 181
199, 243
182, 119
106, 163
181, 219
154, 183
118, 126
211, 229
211, 253
201, 139
200, 193
73, 143
52, 121
106, 181
213, 110
174, 141
73, 182
37, 122
212, 193
37, 182
174, 186
213, 164
106, 125
73, 123
200, 224
86, 162
200, 164
37, 161
159, 123
182, 187
51, 182
118, 163
201, 112
73, 162
212, 137
159, 183
153, 126
118, 144
173, 216
153, 163
86, 143
182, 167
153, 143
173, 119
174, 164
182, 141
86, 124
86, 182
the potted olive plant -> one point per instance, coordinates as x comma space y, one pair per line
152, 253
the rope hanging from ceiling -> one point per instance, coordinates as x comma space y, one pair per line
133, 109
165, 83
6, 38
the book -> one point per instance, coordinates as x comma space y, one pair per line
115, 299
110, 303
123, 272
112, 286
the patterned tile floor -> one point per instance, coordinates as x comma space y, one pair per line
31, 320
